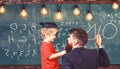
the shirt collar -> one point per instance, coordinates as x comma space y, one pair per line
77, 47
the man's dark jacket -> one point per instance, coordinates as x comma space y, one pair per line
82, 58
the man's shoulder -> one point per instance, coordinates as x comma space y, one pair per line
80, 51
93, 50
69, 54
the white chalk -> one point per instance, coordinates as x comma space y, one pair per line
99, 29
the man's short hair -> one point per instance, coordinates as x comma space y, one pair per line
79, 34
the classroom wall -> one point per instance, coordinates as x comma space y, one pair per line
20, 40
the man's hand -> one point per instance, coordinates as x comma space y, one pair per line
98, 40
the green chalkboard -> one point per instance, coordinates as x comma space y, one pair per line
20, 39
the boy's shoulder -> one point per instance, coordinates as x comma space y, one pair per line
46, 44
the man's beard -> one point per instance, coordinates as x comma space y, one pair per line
68, 47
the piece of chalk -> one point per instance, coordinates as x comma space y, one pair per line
99, 29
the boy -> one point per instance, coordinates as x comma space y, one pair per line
49, 57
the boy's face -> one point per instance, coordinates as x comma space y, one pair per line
51, 37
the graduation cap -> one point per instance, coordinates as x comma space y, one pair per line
48, 25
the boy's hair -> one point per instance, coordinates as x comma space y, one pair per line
47, 31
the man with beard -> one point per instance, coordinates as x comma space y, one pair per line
78, 57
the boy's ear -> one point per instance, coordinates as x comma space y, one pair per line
46, 34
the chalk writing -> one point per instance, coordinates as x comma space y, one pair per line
20, 54
113, 33
22, 35
20, 38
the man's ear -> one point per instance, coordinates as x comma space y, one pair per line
75, 42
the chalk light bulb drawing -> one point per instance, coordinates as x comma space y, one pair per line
2, 9
115, 6
44, 11
23, 12
89, 16
58, 15
76, 11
